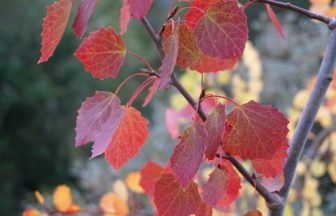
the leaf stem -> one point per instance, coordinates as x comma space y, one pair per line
223, 97
142, 59
128, 78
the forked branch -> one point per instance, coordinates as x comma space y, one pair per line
271, 198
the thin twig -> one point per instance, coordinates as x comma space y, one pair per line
289, 6
271, 198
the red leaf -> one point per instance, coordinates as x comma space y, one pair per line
102, 120
152, 90
125, 16
255, 131
170, 48
188, 154
233, 185
150, 174
214, 126
204, 210
171, 199
274, 20
128, 139
54, 24
189, 55
102, 53
197, 9
206, 64
274, 166
139, 8
222, 30
172, 124
222, 186
253, 213
84, 13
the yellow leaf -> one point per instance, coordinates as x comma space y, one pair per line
332, 171
112, 205
317, 168
120, 190
39, 197
62, 198
133, 182
300, 99
31, 212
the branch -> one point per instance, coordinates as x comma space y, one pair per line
272, 199
306, 121
315, 145
289, 6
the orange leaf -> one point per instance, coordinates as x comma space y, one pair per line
112, 205
54, 25
39, 197
62, 198
133, 182
31, 212
253, 213
73, 209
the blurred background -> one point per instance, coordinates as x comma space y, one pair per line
39, 103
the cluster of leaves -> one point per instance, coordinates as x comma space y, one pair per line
114, 202
210, 38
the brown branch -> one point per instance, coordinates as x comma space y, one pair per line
272, 199
289, 6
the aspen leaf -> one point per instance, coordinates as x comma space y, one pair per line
197, 9
255, 131
62, 198
172, 123
102, 53
222, 31
31, 212
274, 20
206, 64
214, 127
84, 12
73, 209
102, 120
133, 182
120, 190
188, 154
189, 55
150, 174
54, 24
171, 199
139, 8
125, 16
274, 166
112, 205
39, 197
232, 185
253, 213
170, 48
